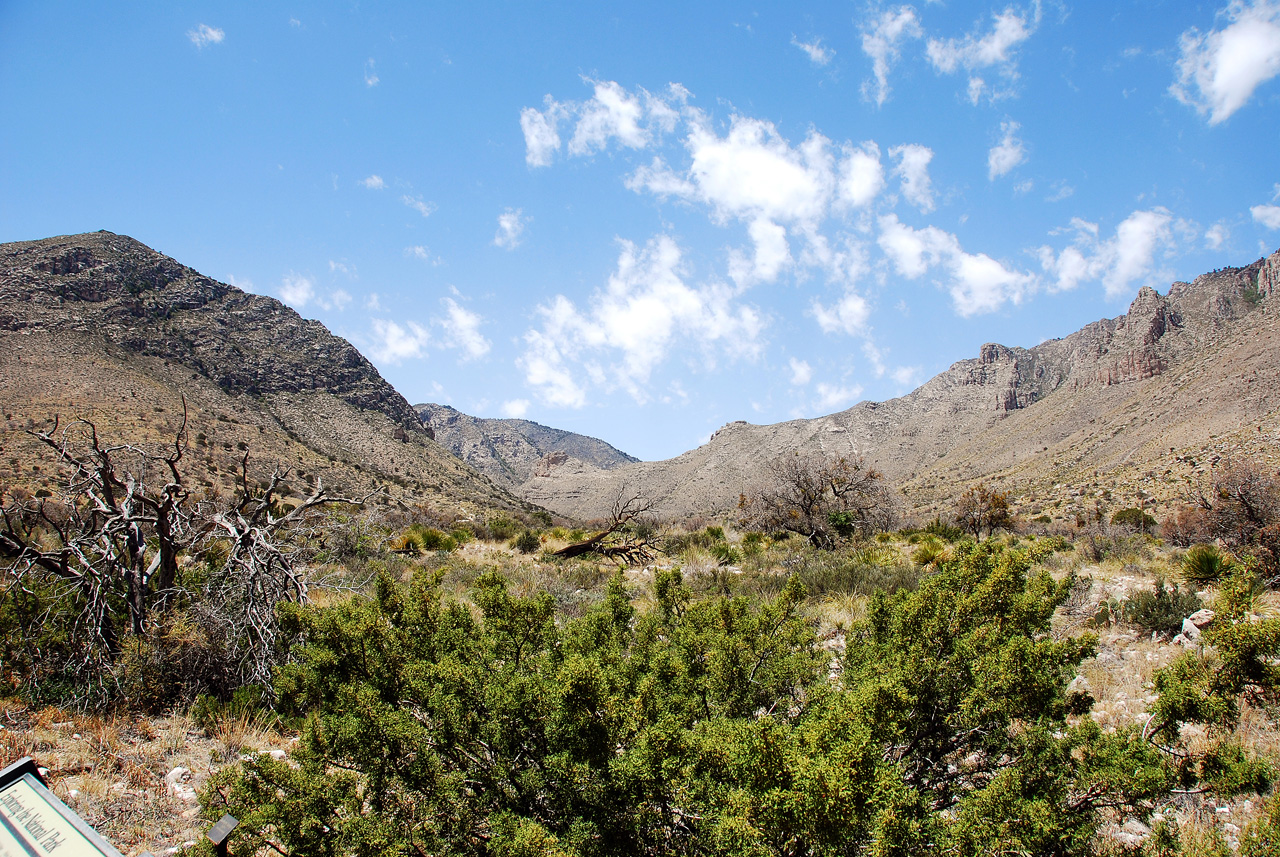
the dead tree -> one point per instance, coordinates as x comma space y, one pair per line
822, 498
616, 541
260, 570
111, 538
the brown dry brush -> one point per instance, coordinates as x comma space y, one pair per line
102, 563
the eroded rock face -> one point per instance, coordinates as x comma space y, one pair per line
140, 300
1175, 370
511, 451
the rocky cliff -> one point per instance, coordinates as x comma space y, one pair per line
511, 451
100, 325
1129, 408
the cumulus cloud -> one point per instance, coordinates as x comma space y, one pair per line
861, 175
977, 283
370, 75
541, 132
510, 229
996, 49
1118, 262
801, 372
515, 408
461, 330
848, 315
881, 42
1006, 154
204, 35
645, 311
297, 290
1219, 71
836, 398
1267, 215
817, 54
913, 169
906, 376
1215, 236
612, 112
374, 182
394, 343
418, 205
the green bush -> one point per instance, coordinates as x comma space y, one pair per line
716, 533
503, 527
944, 531
725, 553
1134, 518
1162, 610
1204, 564
526, 542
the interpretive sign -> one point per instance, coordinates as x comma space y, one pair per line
34, 823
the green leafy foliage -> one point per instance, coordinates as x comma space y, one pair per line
1162, 610
703, 726
1135, 518
526, 542
1204, 564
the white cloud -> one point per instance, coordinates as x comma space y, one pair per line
1024, 186
374, 182
1219, 71
861, 175
834, 398
1006, 154
906, 376
1118, 262
340, 299
541, 135
611, 113
977, 283
772, 254
660, 180
881, 43
849, 315
370, 74
205, 35
913, 169
644, 312
297, 290
418, 205
510, 229
1216, 235
801, 372
1267, 215
995, 49
395, 343
515, 408
817, 54
372, 302
420, 252
245, 284
342, 267
462, 330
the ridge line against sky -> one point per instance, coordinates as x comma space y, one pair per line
643, 222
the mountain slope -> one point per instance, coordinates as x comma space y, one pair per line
99, 325
511, 451
1123, 411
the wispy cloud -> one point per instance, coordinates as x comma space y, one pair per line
515, 408
374, 182
817, 53
370, 73
204, 35
1141, 239
1006, 154
510, 229
1219, 71
913, 169
418, 205
881, 41
995, 49
801, 372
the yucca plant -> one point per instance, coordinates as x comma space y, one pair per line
1205, 564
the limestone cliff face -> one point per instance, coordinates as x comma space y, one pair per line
100, 325
1185, 366
147, 303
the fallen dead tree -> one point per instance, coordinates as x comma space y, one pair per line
617, 542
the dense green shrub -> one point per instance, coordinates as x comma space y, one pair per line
725, 553
946, 532
1162, 610
1134, 518
503, 527
526, 542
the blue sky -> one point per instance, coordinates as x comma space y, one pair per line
641, 221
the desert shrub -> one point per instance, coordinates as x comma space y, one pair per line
503, 527
716, 534
725, 553
1188, 526
859, 572
244, 703
930, 552
1161, 610
461, 535
526, 542
418, 538
1204, 564
1133, 518
946, 532
753, 543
